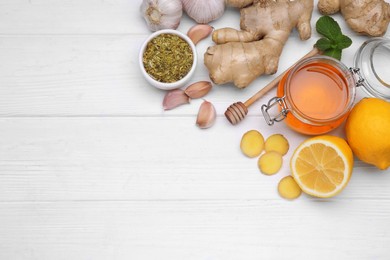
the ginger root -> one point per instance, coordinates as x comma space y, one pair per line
277, 143
270, 162
288, 188
242, 56
252, 143
369, 17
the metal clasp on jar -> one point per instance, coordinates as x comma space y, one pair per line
358, 76
279, 117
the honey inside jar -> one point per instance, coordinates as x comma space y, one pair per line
318, 97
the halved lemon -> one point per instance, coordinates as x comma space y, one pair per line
322, 166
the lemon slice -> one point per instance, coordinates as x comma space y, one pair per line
322, 166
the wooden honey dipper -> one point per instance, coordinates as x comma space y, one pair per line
236, 112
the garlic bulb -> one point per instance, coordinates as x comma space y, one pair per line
204, 11
162, 14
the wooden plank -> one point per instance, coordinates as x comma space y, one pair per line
49, 159
82, 17
69, 75
70, 16
243, 229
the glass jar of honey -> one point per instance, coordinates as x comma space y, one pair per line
317, 94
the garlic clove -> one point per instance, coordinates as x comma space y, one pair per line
198, 89
162, 14
175, 98
204, 11
206, 115
199, 32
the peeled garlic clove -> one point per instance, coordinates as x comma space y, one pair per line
198, 89
206, 115
199, 32
175, 98
162, 14
204, 11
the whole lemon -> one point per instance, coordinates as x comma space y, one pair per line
368, 131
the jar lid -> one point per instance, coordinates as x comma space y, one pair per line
372, 59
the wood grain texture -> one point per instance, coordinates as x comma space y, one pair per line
194, 230
70, 16
91, 167
50, 159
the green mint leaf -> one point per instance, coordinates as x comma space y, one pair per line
328, 27
333, 41
334, 53
324, 44
343, 42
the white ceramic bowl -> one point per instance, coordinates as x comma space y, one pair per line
173, 85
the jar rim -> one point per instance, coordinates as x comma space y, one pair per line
343, 69
366, 59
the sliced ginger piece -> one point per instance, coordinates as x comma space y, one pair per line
252, 143
277, 143
270, 162
288, 188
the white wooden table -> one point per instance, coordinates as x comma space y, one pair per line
91, 167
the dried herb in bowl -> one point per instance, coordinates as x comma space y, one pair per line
168, 58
